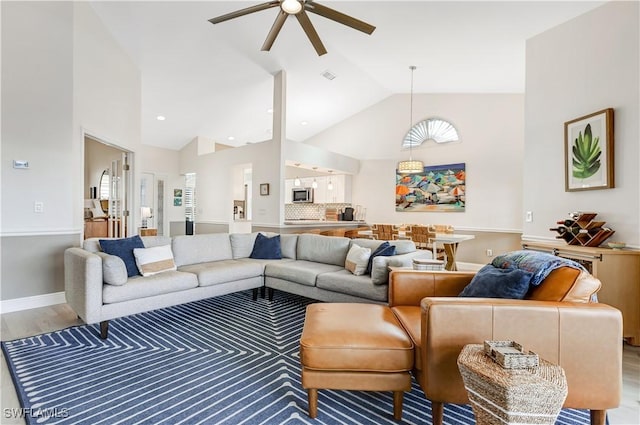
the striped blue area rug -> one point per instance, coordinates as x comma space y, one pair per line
224, 360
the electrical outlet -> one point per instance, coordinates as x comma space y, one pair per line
38, 207
489, 252
528, 216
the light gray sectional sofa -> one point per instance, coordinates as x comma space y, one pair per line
97, 287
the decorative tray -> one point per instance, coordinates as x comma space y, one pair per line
510, 354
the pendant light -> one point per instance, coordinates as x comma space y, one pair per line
410, 166
330, 185
315, 183
296, 182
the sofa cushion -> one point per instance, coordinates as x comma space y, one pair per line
263, 262
141, 287
322, 249
299, 271
566, 284
381, 264
383, 250
114, 272
151, 241
288, 246
410, 319
156, 259
493, 282
403, 246
194, 249
343, 282
357, 259
123, 248
216, 272
242, 244
266, 248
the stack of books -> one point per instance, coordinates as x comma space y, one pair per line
427, 264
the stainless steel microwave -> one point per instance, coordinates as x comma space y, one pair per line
300, 195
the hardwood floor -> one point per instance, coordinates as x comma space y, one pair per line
36, 321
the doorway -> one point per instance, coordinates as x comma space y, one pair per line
108, 186
152, 204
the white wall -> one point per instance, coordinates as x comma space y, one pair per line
37, 107
216, 172
491, 132
62, 73
583, 66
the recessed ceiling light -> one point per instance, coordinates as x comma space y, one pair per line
270, 111
231, 138
304, 123
161, 118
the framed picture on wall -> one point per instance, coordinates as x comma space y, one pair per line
588, 152
177, 193
264, 189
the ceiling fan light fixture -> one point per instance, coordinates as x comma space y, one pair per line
291, 6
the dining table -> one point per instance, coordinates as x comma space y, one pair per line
449, 241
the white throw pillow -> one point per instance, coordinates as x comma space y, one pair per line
357, 259
154, 260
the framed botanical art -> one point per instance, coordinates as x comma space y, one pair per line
588, 152
264, 189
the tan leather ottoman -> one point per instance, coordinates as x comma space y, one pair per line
354, 347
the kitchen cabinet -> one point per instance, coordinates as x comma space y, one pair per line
617, 270
340, 194
288, 187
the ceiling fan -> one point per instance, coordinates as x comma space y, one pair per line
299, 8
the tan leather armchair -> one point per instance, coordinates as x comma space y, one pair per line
555, 320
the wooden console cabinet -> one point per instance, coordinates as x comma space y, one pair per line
146, 231
619, 272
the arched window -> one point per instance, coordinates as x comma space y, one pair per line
104, 185
436, 129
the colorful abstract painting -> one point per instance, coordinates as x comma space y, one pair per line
440, 188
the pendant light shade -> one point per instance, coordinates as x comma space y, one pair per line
411, 166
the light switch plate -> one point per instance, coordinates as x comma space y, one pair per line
19, 163
528, 216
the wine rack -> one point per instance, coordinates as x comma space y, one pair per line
582, 229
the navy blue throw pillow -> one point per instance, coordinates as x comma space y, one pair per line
385, 250
493, 282
265, 248
123, 248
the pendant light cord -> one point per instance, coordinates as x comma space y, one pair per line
412, 68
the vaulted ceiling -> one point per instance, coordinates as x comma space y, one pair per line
214, 81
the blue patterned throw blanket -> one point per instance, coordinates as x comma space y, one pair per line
538, 263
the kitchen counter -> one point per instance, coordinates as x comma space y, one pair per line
317, 223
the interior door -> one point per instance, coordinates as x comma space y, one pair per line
118, 198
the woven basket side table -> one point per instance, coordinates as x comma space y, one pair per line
511, 396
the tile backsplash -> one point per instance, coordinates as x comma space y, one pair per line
309, 211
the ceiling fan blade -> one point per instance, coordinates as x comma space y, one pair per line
339, 17
246, 11
275, 30
313, 36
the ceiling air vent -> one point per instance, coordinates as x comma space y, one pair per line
328, 75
